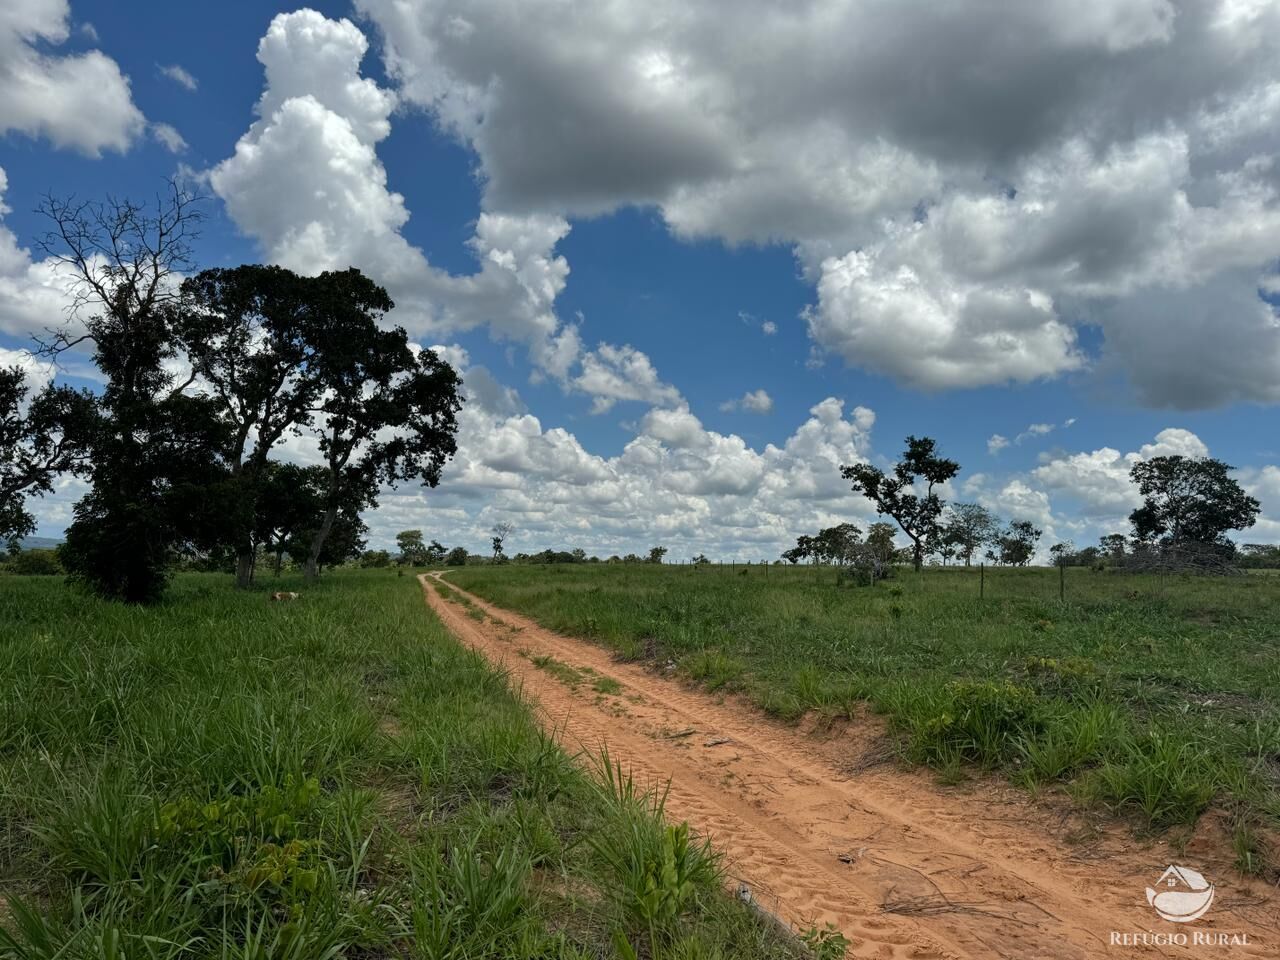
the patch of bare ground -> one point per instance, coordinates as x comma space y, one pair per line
903, 867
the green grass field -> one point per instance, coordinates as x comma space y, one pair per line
221, 776
1153, 697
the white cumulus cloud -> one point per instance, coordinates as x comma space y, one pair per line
82, 101
753, 401
1112, 164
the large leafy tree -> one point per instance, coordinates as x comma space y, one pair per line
51, 435
880, 543
894, 493
803, 550
247, 332
156, 468
1189, 500
413, 551
1114, 546
1017, 544
838, 544
435, 552
385, 414
967, 527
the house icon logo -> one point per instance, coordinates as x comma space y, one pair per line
1181, 895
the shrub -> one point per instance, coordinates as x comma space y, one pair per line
983, 721
36, 563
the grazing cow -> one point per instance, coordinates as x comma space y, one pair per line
283, 595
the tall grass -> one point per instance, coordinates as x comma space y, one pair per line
226, 777
1154, 697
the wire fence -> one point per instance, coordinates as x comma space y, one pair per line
982, 581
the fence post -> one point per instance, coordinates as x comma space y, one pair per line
982, 580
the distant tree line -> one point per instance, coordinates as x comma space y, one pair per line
1189, 506
413, 553
206, 376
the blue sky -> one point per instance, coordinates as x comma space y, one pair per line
741, 225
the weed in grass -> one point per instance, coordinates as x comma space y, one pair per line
810, 687
1075, 678
1069, 741
569, 675
465, 904
1251, 855
1165, 780
979, 721
713, 669
630, 650
827, 943
660, 868
779, 703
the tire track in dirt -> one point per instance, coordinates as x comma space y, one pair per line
902, 868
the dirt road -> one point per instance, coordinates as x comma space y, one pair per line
902, 867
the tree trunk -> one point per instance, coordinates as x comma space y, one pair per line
244, 567
317, 544
918, 556
279, 560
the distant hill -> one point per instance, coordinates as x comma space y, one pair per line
38, 543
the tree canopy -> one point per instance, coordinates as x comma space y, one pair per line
249, 332
968, 527
204, 376
1189, 500
386, 414
51, 435
893, 494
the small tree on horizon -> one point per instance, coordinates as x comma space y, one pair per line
288, 506
1063, 554
1017, 545
656, 554
837, 544
803, 550
500, 530
880, 541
